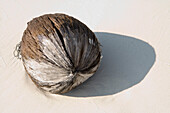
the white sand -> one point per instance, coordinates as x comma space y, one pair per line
134, 76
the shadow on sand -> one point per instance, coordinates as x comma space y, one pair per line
126, 61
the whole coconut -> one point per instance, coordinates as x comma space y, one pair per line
59, 52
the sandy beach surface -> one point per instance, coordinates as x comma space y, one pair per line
134, 76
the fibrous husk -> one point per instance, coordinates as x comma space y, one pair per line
59, 52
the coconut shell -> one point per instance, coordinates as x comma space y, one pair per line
59, 52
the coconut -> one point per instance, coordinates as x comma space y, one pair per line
59, 52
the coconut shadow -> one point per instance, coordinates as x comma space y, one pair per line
126, 61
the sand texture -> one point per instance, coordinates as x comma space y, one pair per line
134, 75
